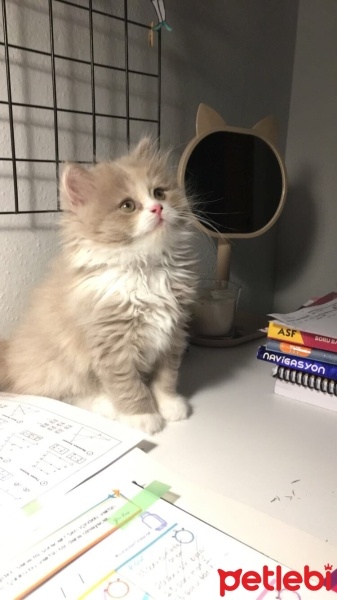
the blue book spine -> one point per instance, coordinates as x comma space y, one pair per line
306, 365
313, 354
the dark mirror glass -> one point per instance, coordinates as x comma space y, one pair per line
236, 180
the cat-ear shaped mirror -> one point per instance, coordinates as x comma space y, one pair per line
237, 177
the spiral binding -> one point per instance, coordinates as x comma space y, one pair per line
307, 380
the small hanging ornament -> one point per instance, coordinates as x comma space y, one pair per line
150, 37
159, 7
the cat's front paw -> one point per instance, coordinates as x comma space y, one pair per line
172, 407
148, 422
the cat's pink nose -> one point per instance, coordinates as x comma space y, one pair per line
157, 208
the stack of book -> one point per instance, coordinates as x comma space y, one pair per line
303, 349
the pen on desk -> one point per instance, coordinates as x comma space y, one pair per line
138, 484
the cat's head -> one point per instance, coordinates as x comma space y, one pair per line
132, 201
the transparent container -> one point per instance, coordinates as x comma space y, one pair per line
213, 312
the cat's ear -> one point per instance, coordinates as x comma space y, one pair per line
268, 128
76, 187
145, 148
208, 119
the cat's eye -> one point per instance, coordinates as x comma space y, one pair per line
127, 205
159, 193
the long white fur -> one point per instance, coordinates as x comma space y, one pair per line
117, 297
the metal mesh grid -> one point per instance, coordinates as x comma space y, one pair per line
55, 109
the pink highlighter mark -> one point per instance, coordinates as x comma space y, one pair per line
265, 592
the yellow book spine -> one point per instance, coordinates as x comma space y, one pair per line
277, 331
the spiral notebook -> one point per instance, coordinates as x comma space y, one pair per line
305, 394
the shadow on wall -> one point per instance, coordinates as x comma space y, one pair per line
300, 215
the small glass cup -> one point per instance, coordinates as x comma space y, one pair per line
213, 312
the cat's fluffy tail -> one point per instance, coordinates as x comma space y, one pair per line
3, 365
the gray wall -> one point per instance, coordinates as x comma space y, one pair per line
307, 247
236, 56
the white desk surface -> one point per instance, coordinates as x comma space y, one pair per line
248, 444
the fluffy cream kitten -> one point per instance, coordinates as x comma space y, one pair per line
106, 329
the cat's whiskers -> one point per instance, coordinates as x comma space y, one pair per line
208, 221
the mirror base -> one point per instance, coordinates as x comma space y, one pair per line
247, 327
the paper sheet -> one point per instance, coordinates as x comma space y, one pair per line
320, 320
162, 553
48, 447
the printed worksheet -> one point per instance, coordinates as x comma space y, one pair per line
166, 554
48, 447
127, 542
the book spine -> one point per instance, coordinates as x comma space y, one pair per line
307, 380
313, 367
277, 331
321, 300
303, 351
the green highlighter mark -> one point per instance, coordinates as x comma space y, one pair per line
142, 501
157, 488
31, 508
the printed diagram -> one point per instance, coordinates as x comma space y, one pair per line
84, 434
11, 489
59, 449
71, 456
77, 444
16, 442
40, 449
17, 412
117, 589
84, 437
76, 458
12, 445
42, 462
58, 457
183, 536
153, 521
55, 425
32, 436
4, 474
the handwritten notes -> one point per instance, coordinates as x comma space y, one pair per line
163, 554
320, 320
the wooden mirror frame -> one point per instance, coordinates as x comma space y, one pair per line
208, 121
